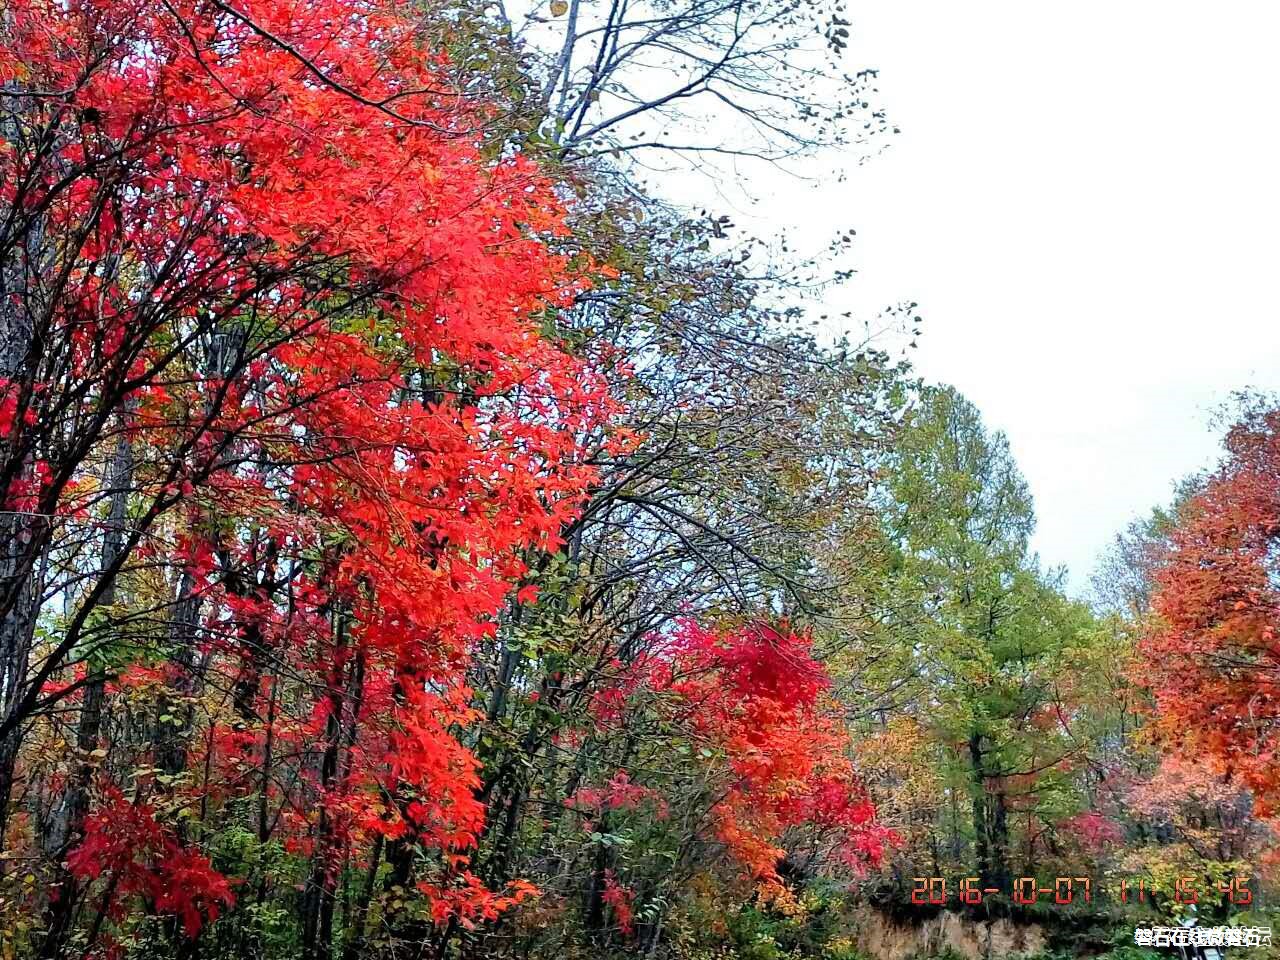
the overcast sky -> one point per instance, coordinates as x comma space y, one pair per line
1084, 199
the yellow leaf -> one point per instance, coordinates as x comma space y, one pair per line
559, 8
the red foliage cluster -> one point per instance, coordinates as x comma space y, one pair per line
1093, 830
619, 899
753, 695
756, 661
123, 841
618, 794
1213, 658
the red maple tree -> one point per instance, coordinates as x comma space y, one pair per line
753, 698
268, 250
1212, 658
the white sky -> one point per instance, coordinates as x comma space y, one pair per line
1084, 200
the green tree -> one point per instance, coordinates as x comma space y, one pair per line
993, 631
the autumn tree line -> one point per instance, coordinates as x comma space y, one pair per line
421, 541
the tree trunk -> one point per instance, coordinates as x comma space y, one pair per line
981, 827
170, 739
999, 842
23, 537
17, 632
320, 896
67, 825
593, 909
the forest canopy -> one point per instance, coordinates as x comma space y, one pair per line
418, 539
